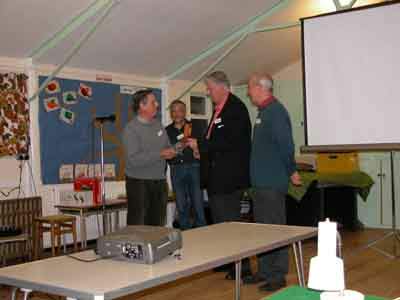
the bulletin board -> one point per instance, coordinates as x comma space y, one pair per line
69, 136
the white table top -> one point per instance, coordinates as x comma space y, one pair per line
108, 203
203, 248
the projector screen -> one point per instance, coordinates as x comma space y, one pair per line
351, 64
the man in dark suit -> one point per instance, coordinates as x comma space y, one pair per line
226, 145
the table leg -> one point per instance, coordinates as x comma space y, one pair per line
14, 293
298, 256
300, 246
53, 238
296, 259
64, 237
83, 229
110, 223
26, 293
116, 220
238, 273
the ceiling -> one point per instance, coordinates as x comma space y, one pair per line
155, 37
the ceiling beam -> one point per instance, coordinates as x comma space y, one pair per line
213, 65
68, 28
235, 34
77, 47
276, 27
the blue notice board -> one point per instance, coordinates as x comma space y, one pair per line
68, 133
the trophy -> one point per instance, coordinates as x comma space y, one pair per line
187, 131
181, 144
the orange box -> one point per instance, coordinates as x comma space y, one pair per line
337, 162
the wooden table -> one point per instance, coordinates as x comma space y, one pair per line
203, 249
83, 211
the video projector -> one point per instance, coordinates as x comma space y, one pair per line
140, 244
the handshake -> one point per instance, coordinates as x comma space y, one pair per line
171, 152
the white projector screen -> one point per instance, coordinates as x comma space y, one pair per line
351, 64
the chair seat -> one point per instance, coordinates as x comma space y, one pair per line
57, 225
55, 219
17, 238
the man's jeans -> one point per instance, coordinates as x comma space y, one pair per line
186, 184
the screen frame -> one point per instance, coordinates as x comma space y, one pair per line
345, 147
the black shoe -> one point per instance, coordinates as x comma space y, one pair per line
231, 275
272, 286
252, 279
224, 268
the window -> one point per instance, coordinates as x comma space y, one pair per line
197, 105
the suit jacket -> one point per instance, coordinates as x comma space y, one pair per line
225, 156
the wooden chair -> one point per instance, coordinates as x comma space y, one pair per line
21, 214
58, 226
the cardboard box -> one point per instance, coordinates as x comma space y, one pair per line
76, 198
337, 162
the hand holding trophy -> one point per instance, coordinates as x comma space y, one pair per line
182, 143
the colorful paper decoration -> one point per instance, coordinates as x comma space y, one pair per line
128, 89
51, 104
53, 87
109, 171
70, 97
67, 116
14, 114
85, 91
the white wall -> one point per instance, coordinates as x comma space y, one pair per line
288, 89
290, 72
176, 87
9, 166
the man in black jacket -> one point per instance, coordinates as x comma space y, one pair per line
225, 149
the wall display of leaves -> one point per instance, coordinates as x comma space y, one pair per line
14, 114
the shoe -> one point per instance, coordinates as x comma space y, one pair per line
224, 268
252, 279
231, 275
272, 286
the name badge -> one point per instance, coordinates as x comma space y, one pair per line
159, 133
181, 136
258, 121
217, 121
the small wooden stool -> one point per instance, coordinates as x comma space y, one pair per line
57, 225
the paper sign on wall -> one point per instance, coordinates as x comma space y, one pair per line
128, 89
66, 173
